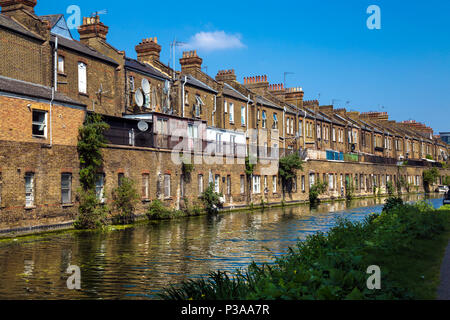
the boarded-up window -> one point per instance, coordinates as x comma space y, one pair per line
167, 186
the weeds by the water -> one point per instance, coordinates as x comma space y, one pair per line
333, 266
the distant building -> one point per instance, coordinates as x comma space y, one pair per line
445, 136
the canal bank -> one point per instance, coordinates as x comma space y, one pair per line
140, 218
138, 261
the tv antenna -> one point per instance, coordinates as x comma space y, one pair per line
173, 46
97, 13
285, 74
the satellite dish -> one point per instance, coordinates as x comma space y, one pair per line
139, 98
142, 126
166, 86
145, 86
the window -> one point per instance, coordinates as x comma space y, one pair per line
242, 184
334, 134
120, 177
60, 64
132, 86
265, 149
82, 77
231, 113
312, 178
287, 126
39, 127
217, 183
275, 121
66, 188
303, 184
266, 185
256, 184
318, 132
292, 125
228, 185
243, 116
29, 189
331, 181
274, 184
167, 186
233, 145
198, 106
219, 144
300, 128
99, 187
264, 119
145, 185
182, 186
200, 184
225, 107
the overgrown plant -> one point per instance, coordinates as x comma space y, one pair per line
288, 165
125, 198
349, 190
187, 168
430, 177
390, 188
91, 140
250, 165
211, 199
315, 191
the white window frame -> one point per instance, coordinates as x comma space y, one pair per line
217, 183
167, 182
243, 120
29, 189
274, 184
231, 113
242, 179
256, 184
66, 189
61, 64
219, 144
200, 184
145, 185
82, 77
100, 187
264, 119
42, 125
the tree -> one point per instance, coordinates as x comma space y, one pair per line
211, 199
287, 170
125, 198
430, 177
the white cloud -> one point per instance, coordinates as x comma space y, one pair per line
217, 40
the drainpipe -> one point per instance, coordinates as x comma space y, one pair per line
284, 129
185, 80
214, 111
54, 87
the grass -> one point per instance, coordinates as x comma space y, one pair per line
406, 241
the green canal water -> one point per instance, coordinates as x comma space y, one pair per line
137, 262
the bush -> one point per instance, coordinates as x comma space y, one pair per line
329, 266
92, 214
390, 188
349, 190
287, 170
125, 198
430, 177
391, 203
316, 190
157, 211
211, 200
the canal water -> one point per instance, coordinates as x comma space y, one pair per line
135, 263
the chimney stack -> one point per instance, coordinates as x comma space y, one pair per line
148, 50
10, 6
226, 76
92, 28
191, 62
257, 83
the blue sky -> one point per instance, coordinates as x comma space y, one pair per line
403, 69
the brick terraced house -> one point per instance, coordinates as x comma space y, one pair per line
49, 82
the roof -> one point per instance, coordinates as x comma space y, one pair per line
144, 68
10, 24
82, 48
28, 89
52, 18
197, 83
267, 103
232, 92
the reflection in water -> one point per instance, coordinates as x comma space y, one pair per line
137, 262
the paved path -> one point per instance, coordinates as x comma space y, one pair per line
444, 288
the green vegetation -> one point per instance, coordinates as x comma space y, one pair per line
187, 168
158, 211
430, 177
211, 199
288, 166
349, 190
429, 157
446, 181
125, 198
315, 191
406, 241
390, 188
90, 141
